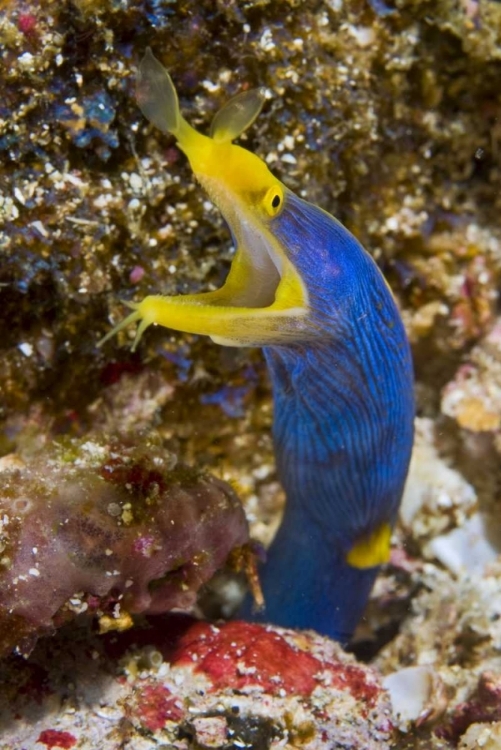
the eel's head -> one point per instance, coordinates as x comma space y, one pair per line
264, 285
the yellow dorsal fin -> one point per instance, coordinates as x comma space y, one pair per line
371, 550
237, 115
157, 99
156, 95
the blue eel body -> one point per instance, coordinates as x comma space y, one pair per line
343, 427
303, 288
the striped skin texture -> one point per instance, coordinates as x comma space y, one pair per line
343, 426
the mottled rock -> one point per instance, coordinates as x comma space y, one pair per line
395, 129
454, 633
473, 397
106, 528
191, 684
436, 495
485, 736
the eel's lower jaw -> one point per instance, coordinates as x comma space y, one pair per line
280, 322
273, 329
264, 309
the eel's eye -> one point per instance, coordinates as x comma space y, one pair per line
273, 200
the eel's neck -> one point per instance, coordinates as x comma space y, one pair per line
343, 429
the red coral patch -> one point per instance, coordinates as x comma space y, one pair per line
483, 707
155, 706
239, 655
55, 738
136, 477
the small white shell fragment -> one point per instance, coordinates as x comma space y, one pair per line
410, 691
363, 35
467, 549
25, 348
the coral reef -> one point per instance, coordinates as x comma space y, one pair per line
107, 529
386, 114
195, 685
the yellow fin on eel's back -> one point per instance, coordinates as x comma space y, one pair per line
156, 95
237, 115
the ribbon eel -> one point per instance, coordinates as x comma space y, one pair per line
303, 288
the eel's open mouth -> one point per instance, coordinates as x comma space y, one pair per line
260, 303
260, 265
